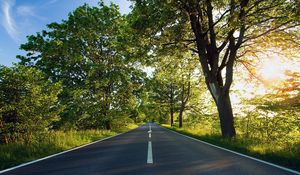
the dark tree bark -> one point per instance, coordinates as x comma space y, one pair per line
214, 79
180, 117
182, 106
172, 116
171, 96
202, 24
107, 125
226, 115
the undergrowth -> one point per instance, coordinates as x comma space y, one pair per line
13, 154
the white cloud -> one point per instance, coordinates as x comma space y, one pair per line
51, 2
8, 21
25, 10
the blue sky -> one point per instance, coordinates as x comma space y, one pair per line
19, 18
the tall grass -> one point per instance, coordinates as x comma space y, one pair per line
53, 142
288, 155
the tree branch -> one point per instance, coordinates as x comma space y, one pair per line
267, 32
222, 46
224, 60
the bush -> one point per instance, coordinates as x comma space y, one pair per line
28, 103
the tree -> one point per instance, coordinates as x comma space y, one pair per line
219, 32
89, 55
172, 83
187, 76
28, 103
164, 92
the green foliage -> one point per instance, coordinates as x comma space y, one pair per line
28, 103
89, 55
173, 83
15, 153
219, 33
267, 125
86, 73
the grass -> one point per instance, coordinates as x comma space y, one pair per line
16, 153
269, 152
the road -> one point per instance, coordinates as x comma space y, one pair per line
136, 153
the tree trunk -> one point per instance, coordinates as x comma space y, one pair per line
185, 95
208, 57
172, 115
107, 125
226, 115
182, 105
180, 117
171, 101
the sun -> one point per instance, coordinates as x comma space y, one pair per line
269, 74
271, 70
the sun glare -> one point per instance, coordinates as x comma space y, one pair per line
272, 70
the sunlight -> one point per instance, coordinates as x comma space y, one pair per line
235, 99
270, 72
272, 69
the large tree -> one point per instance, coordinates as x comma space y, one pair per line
219, 32
88, 53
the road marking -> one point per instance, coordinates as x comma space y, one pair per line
243, 155
149, 156
150, 131
53, 155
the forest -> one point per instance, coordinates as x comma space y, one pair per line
224, 71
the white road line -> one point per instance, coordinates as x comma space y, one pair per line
150, 131
149, 156
53, 155
243, 155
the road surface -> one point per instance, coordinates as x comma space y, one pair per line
149, 149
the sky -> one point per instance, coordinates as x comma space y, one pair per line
20, 18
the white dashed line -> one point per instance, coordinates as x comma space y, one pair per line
149, 157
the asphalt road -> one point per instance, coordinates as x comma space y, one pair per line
129, 154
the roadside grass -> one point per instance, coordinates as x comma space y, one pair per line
56, 141
288, 157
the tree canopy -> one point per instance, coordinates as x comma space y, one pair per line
219, 32
89, 71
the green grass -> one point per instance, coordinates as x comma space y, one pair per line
288, 157
16, 153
